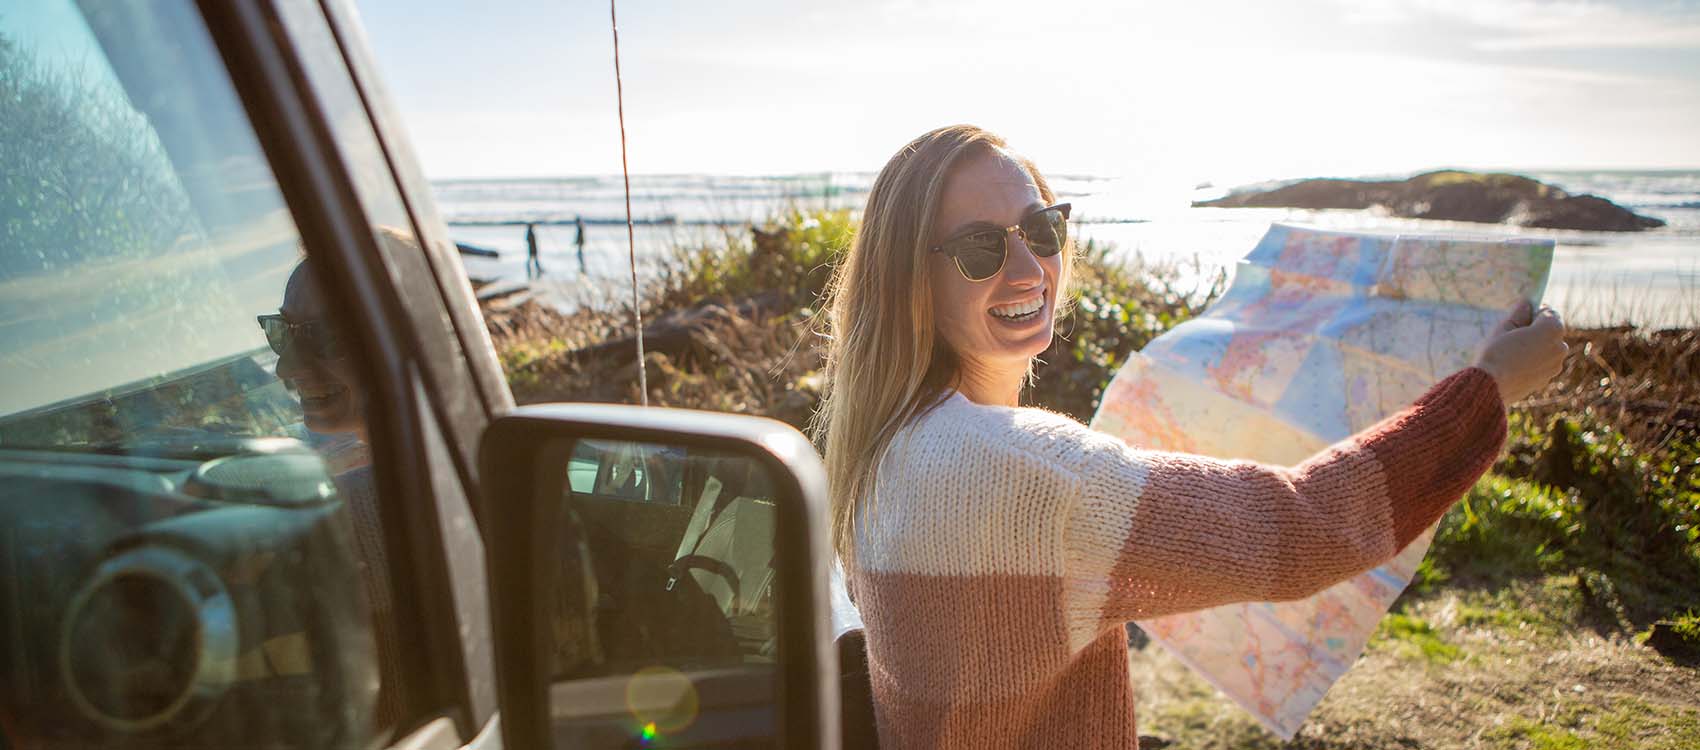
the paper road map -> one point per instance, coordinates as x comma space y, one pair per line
1320, 335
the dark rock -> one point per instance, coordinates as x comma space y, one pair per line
1673, 643
1491, 198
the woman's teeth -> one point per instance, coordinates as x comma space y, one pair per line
320, 400
1019, 310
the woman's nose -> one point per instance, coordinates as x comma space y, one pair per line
1021, 268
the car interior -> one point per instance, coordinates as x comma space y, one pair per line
681, 545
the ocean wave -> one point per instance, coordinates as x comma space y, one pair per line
705, 199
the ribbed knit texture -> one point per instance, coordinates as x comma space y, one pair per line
1006, 548
359, 494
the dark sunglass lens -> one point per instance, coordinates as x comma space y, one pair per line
1046, 231
981, 260
277, 334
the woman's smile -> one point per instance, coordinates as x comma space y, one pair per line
1022, 313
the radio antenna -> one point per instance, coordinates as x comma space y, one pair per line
631, 242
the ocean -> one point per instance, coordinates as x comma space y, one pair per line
1649, 278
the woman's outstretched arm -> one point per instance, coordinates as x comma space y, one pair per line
1163, 532
1159, 533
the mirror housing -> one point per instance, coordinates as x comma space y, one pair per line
521, 459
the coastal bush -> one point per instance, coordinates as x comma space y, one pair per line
1643, 384
1505, 528
792, 255
737, 327
1577, 497
1115, 309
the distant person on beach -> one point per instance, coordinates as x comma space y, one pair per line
532, 263
996, 552
578, 240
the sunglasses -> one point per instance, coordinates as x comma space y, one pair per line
980, 253
316, 335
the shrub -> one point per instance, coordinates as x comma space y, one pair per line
1117, 308
754, 308
1576, 496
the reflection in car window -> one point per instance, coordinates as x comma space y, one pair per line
188, 504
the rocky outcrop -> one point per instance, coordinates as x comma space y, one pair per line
1492, 198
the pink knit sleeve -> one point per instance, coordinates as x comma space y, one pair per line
1160, 533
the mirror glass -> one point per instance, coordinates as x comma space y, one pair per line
663, 616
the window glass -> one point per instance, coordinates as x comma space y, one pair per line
683, 628
188, 507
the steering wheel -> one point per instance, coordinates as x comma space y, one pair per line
682, 567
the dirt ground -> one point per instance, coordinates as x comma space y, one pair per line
1513, 668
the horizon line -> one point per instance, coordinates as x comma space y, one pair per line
1053, 175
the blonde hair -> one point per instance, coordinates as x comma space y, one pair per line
884, 365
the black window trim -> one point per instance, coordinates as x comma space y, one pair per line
453, 284
310, 170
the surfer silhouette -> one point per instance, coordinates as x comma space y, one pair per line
533, 266
578, 240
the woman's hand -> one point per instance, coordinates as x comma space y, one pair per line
1527, 351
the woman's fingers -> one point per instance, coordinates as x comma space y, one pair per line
1527, 352
1520, 316
1551, 327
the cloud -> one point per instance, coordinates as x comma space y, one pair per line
1521, 25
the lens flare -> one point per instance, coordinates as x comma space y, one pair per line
663, 700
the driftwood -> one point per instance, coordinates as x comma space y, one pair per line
673, 333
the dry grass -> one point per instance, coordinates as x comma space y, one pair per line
1644, 384
727, 358
1541, 681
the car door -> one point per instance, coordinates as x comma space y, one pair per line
754, 556
246, 389
233, 512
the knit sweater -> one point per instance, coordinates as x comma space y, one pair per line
1006, 548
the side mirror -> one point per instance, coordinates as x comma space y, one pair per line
658, 578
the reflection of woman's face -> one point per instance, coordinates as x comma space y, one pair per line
982, 320
331, 397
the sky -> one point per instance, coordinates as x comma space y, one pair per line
1204, 90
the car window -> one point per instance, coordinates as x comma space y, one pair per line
681, 546
188, 519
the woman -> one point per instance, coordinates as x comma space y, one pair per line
996, 552
314, 362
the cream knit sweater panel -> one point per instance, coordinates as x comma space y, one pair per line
1005, 548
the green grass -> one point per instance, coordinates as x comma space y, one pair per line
1505, 528
1415, 639
1521, 732
1545, 609
1622, 723
1576, 498
1635, 723
1687, 625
